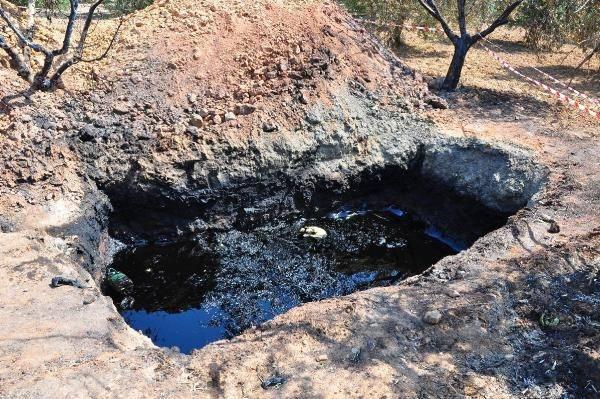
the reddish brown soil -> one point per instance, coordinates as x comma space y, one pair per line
489, 343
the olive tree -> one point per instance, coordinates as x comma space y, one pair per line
463, 40
448, 14
55, 61
552, 23
392, 15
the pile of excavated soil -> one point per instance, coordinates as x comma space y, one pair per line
206, 106
195, 77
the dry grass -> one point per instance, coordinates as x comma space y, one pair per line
489, 83
431, 55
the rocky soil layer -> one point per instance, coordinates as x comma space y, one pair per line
210, 106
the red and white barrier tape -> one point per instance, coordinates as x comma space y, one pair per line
405, 26
577, 93
561, 97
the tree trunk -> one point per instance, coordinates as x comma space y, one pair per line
461, 46
29, 31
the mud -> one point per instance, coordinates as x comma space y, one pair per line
330, 107
220, 283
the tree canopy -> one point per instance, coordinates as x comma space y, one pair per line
547, 23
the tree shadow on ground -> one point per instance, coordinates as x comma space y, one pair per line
496, 337
514, 46
405, 50
584, 80
16, 100
497, 105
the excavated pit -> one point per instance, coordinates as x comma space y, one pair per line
207, 268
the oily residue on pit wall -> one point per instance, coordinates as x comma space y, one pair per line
217, 283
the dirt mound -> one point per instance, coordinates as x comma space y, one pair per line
209, 110
187, 74
226, 56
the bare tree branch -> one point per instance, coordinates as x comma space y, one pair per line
45, 79
87, 24
41, 78
501, 20
30, 30
110, 45
462, 20
78, 55
22, 38
69, 30
432, 9
18, 63
589, 56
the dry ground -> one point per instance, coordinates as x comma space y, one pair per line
486, 85
489, 344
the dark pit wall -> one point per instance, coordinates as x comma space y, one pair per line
215, 284
246, 258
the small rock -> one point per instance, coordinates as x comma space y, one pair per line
49, 125
432, 317
453, 293
230, 116
460, 274
303, 97
270, 75
127, 303
554, 228
196, 121
355, 354
322, 358
192, 131
313, 118
435, 84
244, 109
121, 109
313, 232
59, 280
192, 98
89, 298
273, 381
437, 102
549, 319
217, 119
269, 127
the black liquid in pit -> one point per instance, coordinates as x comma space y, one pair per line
194, 293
